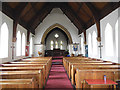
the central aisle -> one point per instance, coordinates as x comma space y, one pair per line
58, 77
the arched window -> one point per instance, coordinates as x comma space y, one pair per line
56, 44
4, 41
51, 44
94, 40
89, 45
31, 46
61, 45
116, 37
18, 46
82, 46
108, 40
23, 44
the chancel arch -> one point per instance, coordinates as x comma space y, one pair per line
56, 26
56, 39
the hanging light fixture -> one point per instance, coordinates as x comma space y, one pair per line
56, 35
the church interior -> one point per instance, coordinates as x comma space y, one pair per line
60, 45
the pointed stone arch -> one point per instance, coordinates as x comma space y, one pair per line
56, 26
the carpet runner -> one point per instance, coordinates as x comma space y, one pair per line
58, 78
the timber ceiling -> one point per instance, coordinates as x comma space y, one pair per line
81, 14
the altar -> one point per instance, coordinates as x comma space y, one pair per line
55, 52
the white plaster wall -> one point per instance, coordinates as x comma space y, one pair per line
22, 30
56, 16
91, 30
111, 19
82, 36
9, 22
31, 36
0, 32
118, 54
39, 47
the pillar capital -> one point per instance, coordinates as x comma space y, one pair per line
14, 39
99, 39
85, 42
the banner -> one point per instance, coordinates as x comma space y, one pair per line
86, 50
75, 47
27, 51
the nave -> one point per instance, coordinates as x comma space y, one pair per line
59, 45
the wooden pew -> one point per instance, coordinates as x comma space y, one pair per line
85, 63
81, 75
40, 58
28, 65
82, 67
66, 62
17, 83
23, 75
27, 69
47, 67
48, 62
27, 62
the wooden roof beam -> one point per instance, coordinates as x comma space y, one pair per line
67, 7
7, 10
33, 6
38, 15
66, 13
96, 16
17, 16
111, 6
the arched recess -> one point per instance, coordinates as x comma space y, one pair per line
58, 26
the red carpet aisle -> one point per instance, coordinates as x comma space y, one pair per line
58, 77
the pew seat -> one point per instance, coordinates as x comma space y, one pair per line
23, 75
17, 83
81, 75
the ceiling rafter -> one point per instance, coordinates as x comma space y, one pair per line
93, 10
18, 11
27, 12
85, 13
38, 15
7, 10
49, 10
77, 17
78, 10
17, 15
71, 19
109, 8
96, 16
65, 12
83, 25
33, 6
